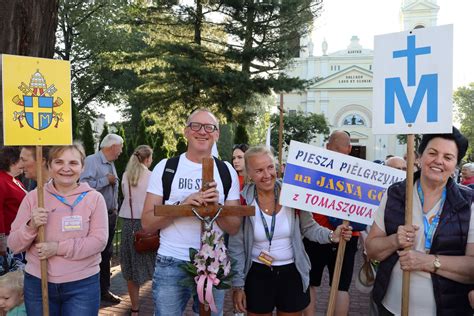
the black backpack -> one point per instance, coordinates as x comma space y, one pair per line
170, 171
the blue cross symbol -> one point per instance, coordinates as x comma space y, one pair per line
410, 53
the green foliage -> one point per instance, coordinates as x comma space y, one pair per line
159, 151
184, 58
241, 136
87, 29
224, 144
121, 162
75, 123
181, 147
142, 136
302, 127
88, 138
402, 139
105, 132
464, 99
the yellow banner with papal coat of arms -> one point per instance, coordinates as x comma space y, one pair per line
36, 101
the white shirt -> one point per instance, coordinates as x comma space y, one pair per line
281, 249
185, 232
421, 300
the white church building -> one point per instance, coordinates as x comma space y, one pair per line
343, 92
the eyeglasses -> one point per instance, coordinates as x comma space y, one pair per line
196, 127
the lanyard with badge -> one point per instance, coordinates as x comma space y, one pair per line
430, 228
72, 222
264, 256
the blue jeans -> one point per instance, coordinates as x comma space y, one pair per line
81, 298
169, 296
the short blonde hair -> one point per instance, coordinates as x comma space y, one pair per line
257, 150
13, 280
57, 151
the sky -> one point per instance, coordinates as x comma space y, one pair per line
341, 19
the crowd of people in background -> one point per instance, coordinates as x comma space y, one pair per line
280, 253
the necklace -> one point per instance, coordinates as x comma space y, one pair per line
274, 200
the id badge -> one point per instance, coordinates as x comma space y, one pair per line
72, 223
265, 258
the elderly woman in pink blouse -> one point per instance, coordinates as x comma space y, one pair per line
75, 220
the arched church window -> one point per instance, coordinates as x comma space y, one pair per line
353, 119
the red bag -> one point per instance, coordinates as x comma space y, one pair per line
143, 241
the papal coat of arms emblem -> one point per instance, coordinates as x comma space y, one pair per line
38, 104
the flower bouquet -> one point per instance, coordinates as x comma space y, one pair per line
209, 267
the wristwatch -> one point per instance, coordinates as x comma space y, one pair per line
436, 263
330, 237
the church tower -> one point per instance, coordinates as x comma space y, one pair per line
416, 14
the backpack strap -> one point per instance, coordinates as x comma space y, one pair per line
170, 171
224, 173
168, 176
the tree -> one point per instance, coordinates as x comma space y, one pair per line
122, 160
241, 136
181, 147
302, 127
27, 28
224, 144
142, 136
88, 138
105, 132
464, 100
188, 60
159, 151
86, 29
402, 139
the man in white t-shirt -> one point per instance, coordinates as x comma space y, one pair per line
178, 234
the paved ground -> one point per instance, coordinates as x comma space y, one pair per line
359, 302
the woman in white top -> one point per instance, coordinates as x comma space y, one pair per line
271, 265
137, 268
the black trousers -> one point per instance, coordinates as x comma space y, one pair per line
107, 254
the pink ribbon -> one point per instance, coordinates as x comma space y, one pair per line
208, 298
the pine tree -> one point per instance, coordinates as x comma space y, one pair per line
75, 123
121, 162
181, 147
159, 151
142, 136
241, 136
88, 138
105, 132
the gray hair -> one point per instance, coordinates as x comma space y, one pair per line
469, 166
199, 111
110, 140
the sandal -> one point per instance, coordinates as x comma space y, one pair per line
134, 312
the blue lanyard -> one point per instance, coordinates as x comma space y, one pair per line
268, 232
430, 228
64, 201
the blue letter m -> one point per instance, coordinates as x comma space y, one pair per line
428, 84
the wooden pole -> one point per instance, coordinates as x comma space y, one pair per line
41, 235
280, 137
408, 216
337, 274
207, 177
